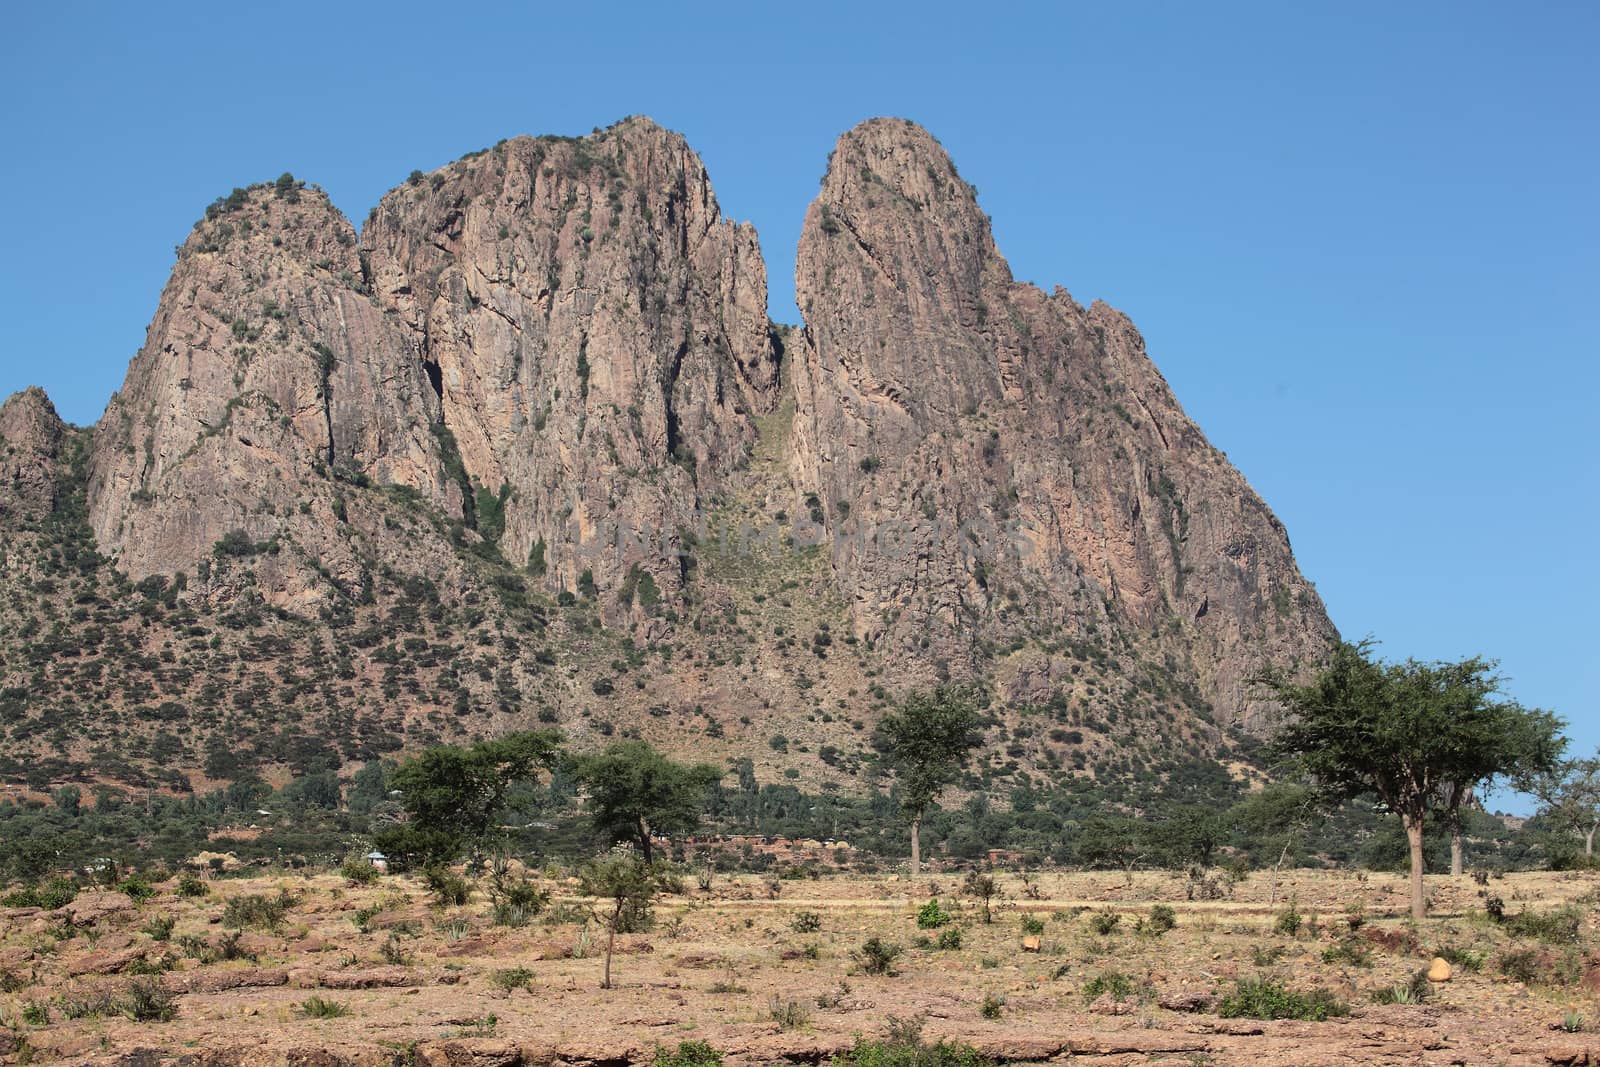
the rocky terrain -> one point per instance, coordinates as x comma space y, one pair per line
315, 970
527, 449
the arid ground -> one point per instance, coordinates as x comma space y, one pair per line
769, 972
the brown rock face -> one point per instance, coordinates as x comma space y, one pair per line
597, 334
266, 376
31, 441
997, 465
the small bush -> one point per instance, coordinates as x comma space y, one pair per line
92, 1003
1104, 922
1119, 985
448, 887
190, 886
137, 889
359, 871
319, 1008
1289, 920
950, 940
1522, 965
56, 893
876, 956
1559, 927
514, 900
159, 928
147, 1002
1162, 918
992, 1006
1268, 998
35, 1014
806, 922
788, 1014
897, 1052
256, 910
1032, 925
1465, 959
511, 979
1414, 990
931, 916
229, 948
689, 1054
1349, 951
394, 953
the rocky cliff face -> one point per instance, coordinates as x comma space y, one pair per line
31, 440
546, 369
597, 334
997, 465
266, 380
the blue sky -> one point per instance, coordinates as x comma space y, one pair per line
1362, 239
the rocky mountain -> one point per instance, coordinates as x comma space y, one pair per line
1000, 465
31, 441
527, 449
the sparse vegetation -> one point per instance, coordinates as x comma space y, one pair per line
320, 1008
1269, 998
876, 956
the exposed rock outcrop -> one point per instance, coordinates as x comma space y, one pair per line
597, 333
535, 374
31, 439
996, 464
266, 377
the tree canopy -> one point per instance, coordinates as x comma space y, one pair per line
928, 739
1413, 733
455, 797
635, 792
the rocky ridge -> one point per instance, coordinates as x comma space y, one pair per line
1000, 464
485, 458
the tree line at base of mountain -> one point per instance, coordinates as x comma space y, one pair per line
317, 820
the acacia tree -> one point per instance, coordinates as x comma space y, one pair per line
1405, 731
627, 884
1570, 793
928, 739
454, 797
635, 793
1489, 740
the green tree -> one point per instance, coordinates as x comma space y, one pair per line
1111, 841
928, 739
635, 793
1570, 795
628, 884
455, 797
1404, 731
1489, 740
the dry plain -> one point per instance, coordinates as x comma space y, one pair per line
769, 971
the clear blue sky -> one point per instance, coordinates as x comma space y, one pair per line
1362, 241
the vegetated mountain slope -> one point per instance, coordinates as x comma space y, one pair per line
999, 466
530, 452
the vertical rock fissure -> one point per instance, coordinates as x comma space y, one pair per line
326, 361
669, 389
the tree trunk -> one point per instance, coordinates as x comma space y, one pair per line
1419, 900
1288, 843
916, 846
611, 941
1455, 850
1588, 840
644, 840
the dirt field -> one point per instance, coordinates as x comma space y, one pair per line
419, 984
